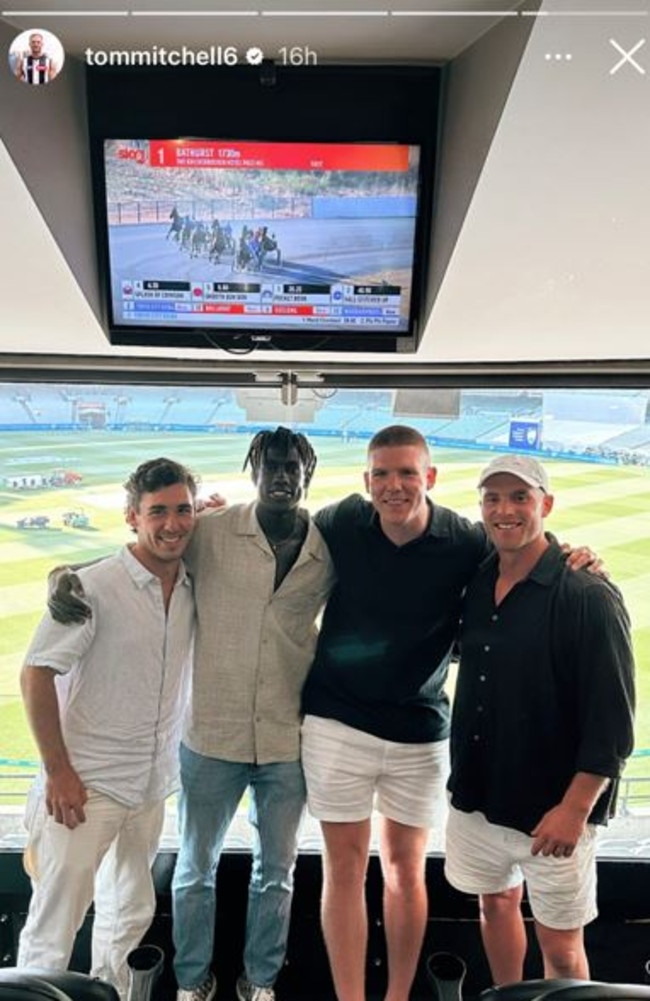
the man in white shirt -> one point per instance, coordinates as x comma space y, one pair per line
105, 699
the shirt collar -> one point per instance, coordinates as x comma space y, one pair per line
438, 527
550, 563
246, 524
142, 577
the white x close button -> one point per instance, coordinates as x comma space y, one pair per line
627, 57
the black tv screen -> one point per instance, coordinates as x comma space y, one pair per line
224, 237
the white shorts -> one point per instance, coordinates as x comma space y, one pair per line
350, 772
486, 858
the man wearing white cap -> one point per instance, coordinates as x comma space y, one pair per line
541, 727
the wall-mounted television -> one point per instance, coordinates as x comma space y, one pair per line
230, 239
295, 217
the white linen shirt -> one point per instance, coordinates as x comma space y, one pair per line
254, 644
123, 679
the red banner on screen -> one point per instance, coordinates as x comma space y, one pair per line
197, 153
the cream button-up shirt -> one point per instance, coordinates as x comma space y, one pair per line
254, 644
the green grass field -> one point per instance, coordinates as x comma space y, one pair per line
605, 507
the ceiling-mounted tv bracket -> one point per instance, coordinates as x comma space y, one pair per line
268, 73
289, 389
288, 383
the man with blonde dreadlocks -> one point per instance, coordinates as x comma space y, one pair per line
262, 574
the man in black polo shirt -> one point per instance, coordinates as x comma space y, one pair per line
541, 728
377, 723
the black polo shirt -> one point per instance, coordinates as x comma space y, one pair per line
545, 689
384, 647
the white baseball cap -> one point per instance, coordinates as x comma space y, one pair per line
524, 467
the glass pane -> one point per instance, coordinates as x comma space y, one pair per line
66, 449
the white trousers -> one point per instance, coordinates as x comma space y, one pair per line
108, 858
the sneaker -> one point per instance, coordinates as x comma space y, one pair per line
205, 992
246, 991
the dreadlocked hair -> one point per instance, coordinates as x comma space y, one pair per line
283, 439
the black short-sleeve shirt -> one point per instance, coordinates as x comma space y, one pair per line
389, 625
545, 689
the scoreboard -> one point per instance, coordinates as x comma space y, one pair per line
278, 304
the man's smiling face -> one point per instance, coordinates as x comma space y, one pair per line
281, 479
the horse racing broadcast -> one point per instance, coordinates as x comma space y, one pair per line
237, 235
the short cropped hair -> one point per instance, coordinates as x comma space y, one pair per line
284, 439
397, 434
156, 474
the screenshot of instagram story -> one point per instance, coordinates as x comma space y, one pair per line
287, 174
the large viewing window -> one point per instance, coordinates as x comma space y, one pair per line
65, 450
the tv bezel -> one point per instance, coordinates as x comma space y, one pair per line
145, 118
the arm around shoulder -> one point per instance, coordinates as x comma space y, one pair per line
334, 520
67, 601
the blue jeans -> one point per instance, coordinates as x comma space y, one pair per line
211, 790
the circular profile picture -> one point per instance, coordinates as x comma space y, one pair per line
36, 56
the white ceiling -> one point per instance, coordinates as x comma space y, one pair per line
551, 260
336, 30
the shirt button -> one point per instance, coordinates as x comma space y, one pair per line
479, 709
476, 737
486, 648
495, 618
481, 677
